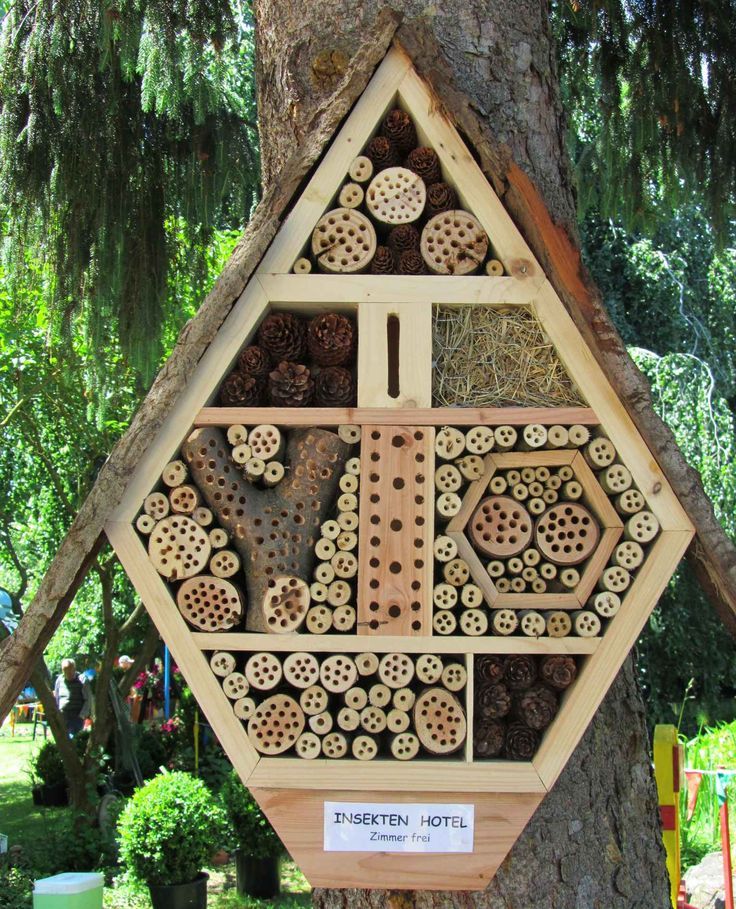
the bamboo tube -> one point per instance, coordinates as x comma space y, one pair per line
324, 573
444, 596
503, 585
579, 435
471, 596
513, 477
184, 499
349, 432
308, 746
518, 585
642, 527
448, 505
321, 723
456, 572
237, 434
548, 571
351, 196
318, 592
157, 505
145, 523
356, 698
532, 623
364, 748
606, 603
428, 668
505, 437
263, 671
222, 663
615, 479
319, 620
529, 573
539, 585
348, 520
600, 453
444, 622
339, 593
449, 443
367, 663
203, 516
515, 565
361, 169
572, 490
225, 563
348, 483
565, 473
535, 489
274, 473
614, 578
557, 437
265, 441
175, 473
379, 695
352, 465
345, 564
302, 266
218, 538
324, 549
531, 557
520, 492
244, 708
569, 577
241, 453
445, 548
470, 466
528, 475
348, 501
313, 700
334, 745
338, 672
496, 568
497, 485
549, 496
454, 677
586, 624
301, 669
344, 618
330, 529
405, 746
494, 268
373, 719
479, 440
504, 621
629, 502
235, 685
254, 469
447, 478
553, 482
473, 622
533, 436
403, 698
559, 623
628, 555
397, 720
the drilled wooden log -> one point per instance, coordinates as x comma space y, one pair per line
373, 719
405, 746
174, 474
184, 499
454, 676
145, 523
396, 196
222, 663
348, 719
357, 698
396, 670
313, 700
397, 720
479, 440
364, 747
301, 669
351, 196
379, 695
606, 603
157, 505
210, 603
244, 708
225, 563
308, 746
302, 266
559, 623
428, 668
344, 618
235, 685
454, 243
586, 624
321, 723
361, 169
506, 437
335, 232
292, 511
444, 622
276, 724
338, 673
263, 671
471, 467
319, 620
449, 443
334, 745
439, 721
504, 621
474, 622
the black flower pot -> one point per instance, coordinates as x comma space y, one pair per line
50, 794
192, 895
259, 877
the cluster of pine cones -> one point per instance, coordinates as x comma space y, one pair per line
295, 363
395, 145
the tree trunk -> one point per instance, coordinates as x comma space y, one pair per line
595, 840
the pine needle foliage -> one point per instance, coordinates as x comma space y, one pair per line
650, 87
127, 135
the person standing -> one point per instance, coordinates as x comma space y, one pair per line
73, 697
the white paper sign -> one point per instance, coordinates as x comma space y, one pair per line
394, 827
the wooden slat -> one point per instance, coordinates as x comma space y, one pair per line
597, 562
173, 629
351, 643
600, 669
539, 458
469, 694
537, 601
594, 495
330, 174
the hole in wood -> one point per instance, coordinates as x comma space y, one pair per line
393, 330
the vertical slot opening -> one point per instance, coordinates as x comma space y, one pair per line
393, 333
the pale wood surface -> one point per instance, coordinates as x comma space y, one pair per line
596, 497
469, 695
299, 820
597, 562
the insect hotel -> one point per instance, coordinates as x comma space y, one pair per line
399, 532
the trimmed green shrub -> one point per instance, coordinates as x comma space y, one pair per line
170, 829
47, 767
252, 830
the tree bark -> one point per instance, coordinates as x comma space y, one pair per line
595, 840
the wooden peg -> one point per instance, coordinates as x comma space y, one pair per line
351, 196
302, 266
286, 604
145, 523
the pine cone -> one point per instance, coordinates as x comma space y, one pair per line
488, 738
558, 671
489, 667
241, 390
254, 361
521, 672
440, 197
290, 385
282, 336
334, 387
425, 163
412, 263
493, 701
382, 153
521, 742
383, 262
403, 238
537, 707
331, 339
398, 127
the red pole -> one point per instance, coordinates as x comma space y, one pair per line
726, 847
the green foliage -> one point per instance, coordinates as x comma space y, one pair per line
170, 829
253, 832
47, 767
16, 888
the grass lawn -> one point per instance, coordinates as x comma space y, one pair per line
29, 826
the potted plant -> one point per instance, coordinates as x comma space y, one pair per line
259, 850
48, 777
168, 832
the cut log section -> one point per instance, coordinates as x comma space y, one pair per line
286, 604
444, 622
449, 443
479, 440
428, 669
351, 196
344, 618
397, 720
439, 721
471, 467
403, 699
365, 748
313, 700
244, 708
606, 603
301, 669
184, 499
210, 603
344, 241
276, 725
145, 523
600, 453
308, 746
586, 624
321, 723
373, 719
265, 441
361, 169
235, 685
157, 505
348, 719
396, 195
500, 527
302, 266
396, 670
567, 534
504, 621
445, 548
334, 745
203, 516
225, 564
222, 663
338, 673
473, 622
218, 538
453, 243
642, 527
357, 698
175, 473
379, 695
263, 671
454, 676
405, 746
319, 620
367, 663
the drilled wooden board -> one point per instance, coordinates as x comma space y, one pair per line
396, 519
298, 817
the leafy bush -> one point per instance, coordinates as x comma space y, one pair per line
16, 888
47, 766
254, 834
170, 829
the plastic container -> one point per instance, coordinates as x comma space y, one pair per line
71, 890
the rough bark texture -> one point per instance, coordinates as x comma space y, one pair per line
595, 839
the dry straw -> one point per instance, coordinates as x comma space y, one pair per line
489, 357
